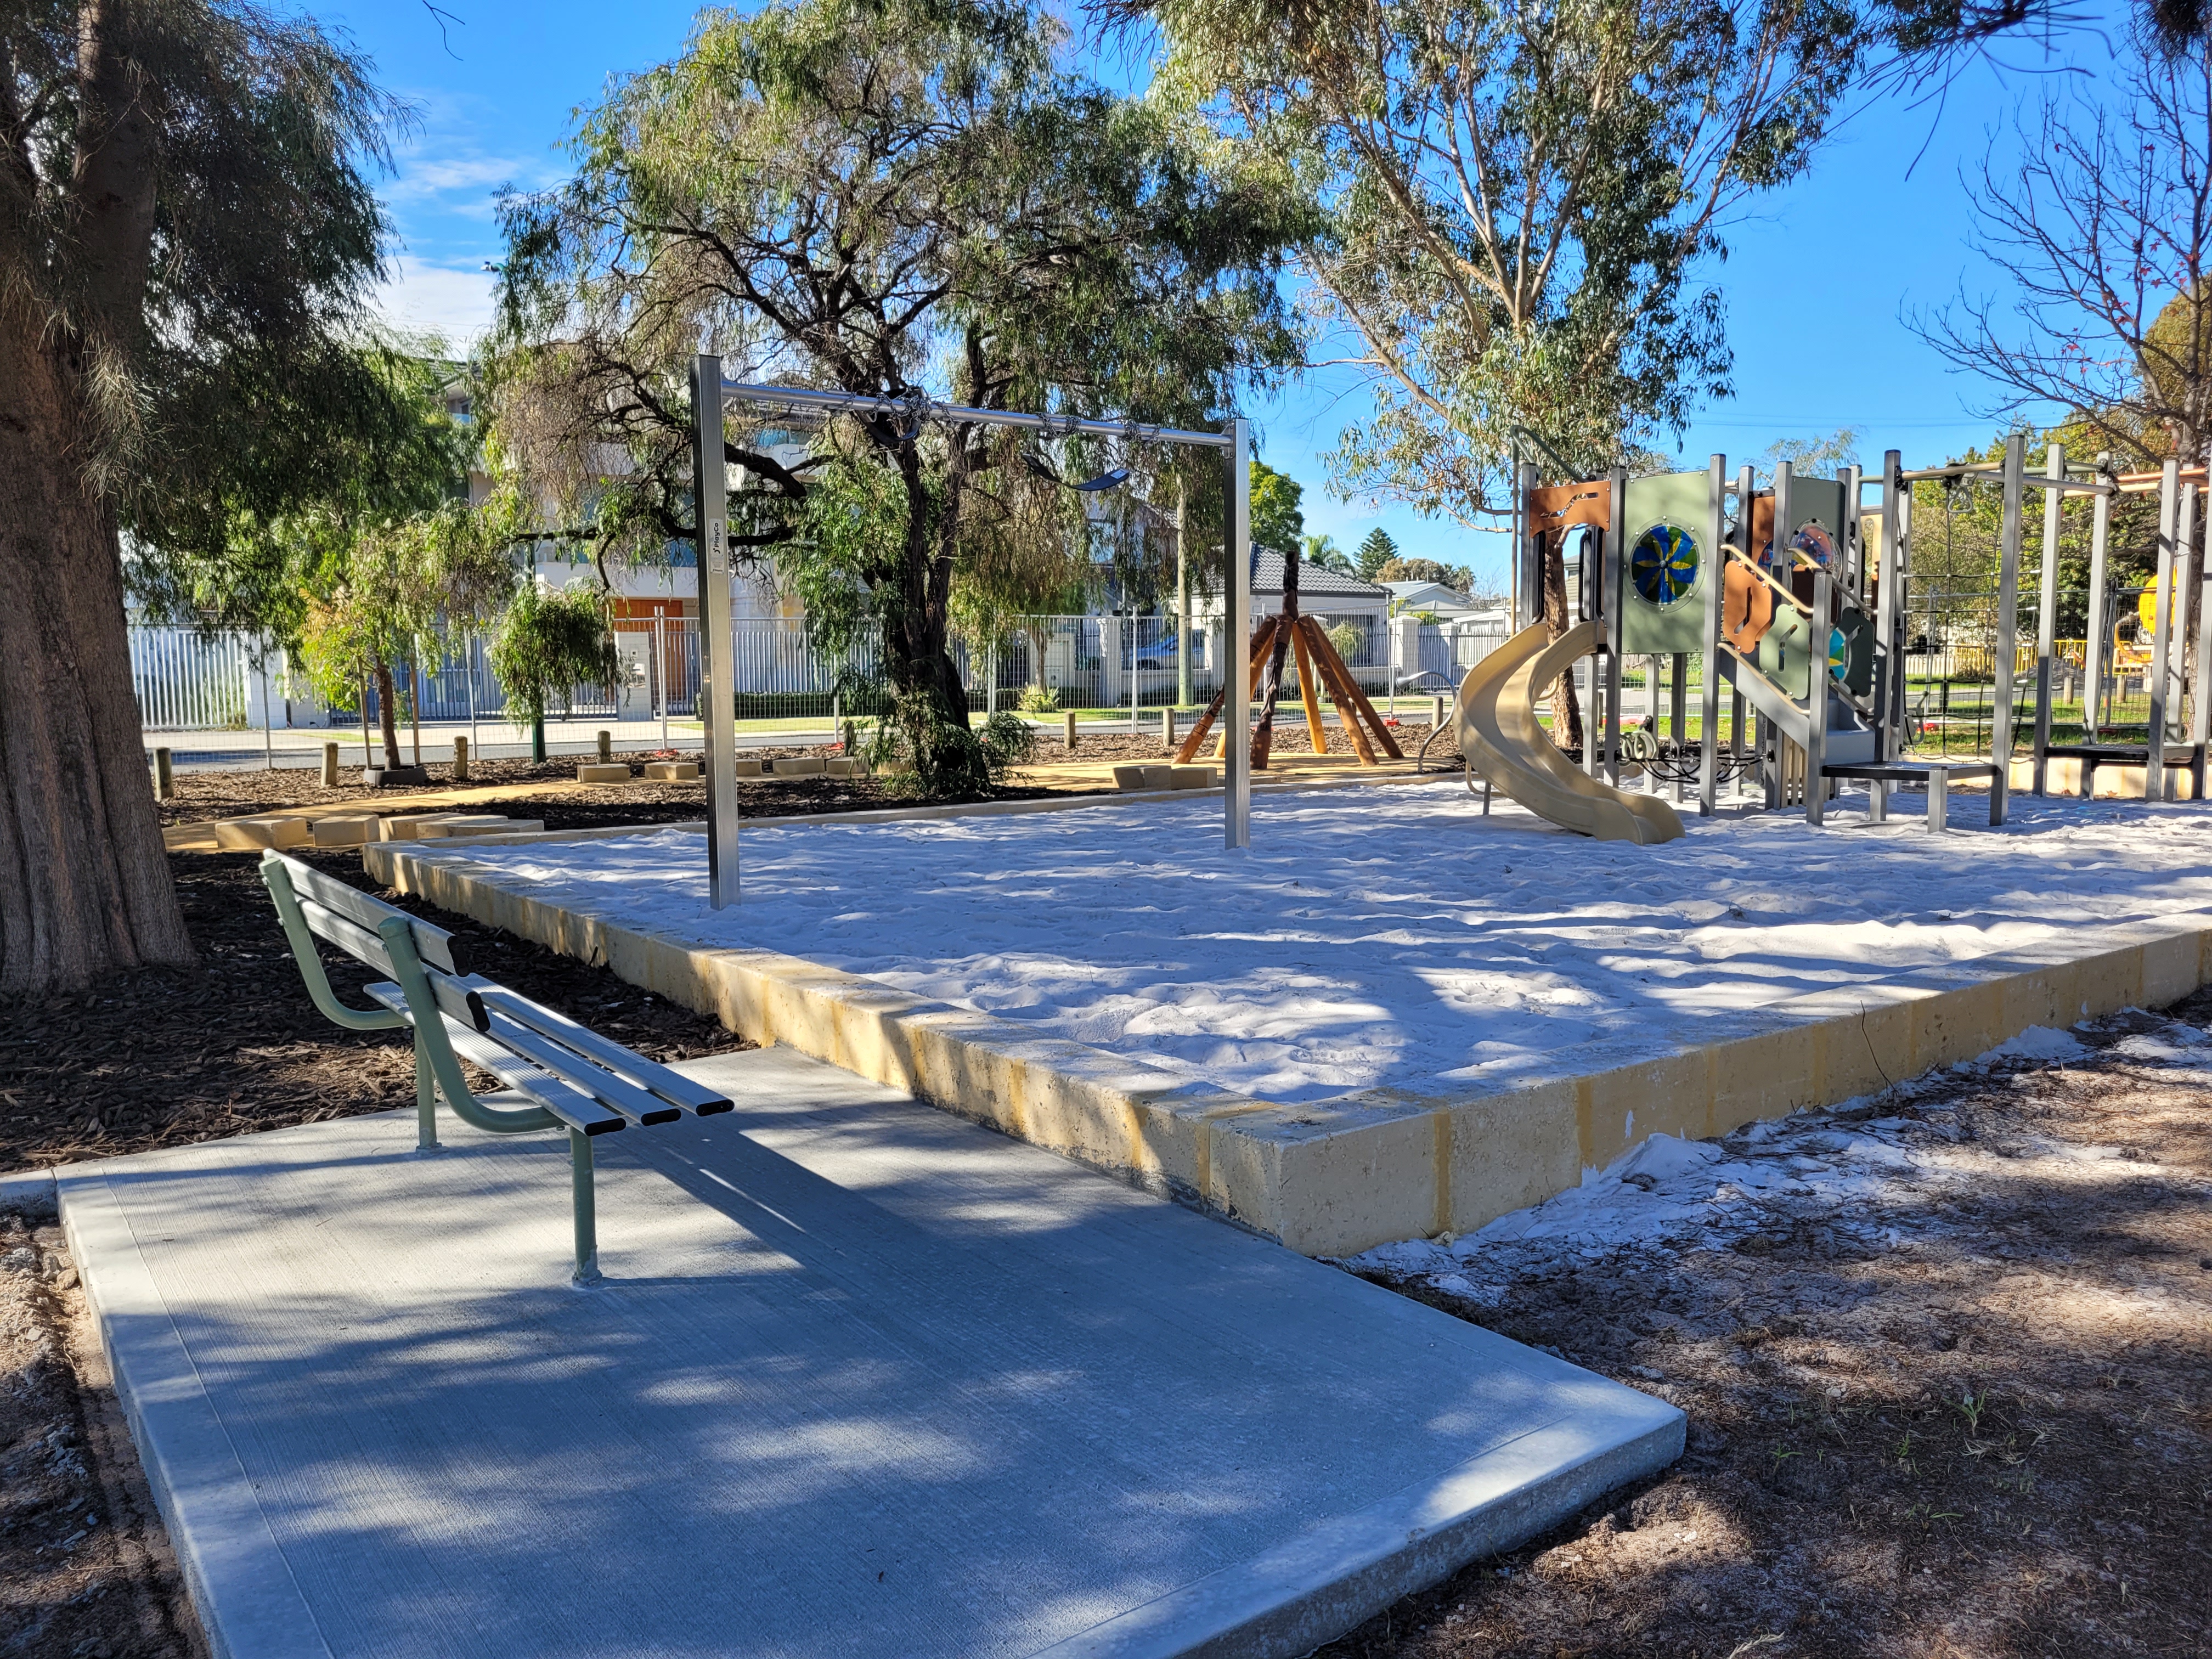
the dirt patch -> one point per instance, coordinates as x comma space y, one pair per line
85, 1565
168, 1055
1960, 1409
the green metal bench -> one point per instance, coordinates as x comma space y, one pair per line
558, 1074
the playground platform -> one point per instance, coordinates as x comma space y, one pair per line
1393, 1017
865, 1381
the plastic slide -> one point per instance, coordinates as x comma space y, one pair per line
1498, 732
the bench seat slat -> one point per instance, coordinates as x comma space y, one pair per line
572, 1106
433, 945
603, 1085
649, 1075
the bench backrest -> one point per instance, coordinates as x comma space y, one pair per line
627, 1087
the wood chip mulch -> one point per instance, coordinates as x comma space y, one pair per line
164, 1056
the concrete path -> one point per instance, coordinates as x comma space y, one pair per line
867, 1381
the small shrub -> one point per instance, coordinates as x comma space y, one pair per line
1040, 700
1008, 741
1349, 640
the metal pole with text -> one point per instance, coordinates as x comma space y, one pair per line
1236, 701
718, 715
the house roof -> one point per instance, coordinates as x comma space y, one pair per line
1313, 579
1431, 594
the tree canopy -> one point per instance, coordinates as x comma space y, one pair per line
901, 198
1520, 202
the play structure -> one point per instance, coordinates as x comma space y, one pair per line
1794, 596
1318, 663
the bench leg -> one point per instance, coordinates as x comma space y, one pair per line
1939, 802
1486, 786
2088, 778
587, 1223
1877, 801
426, 1104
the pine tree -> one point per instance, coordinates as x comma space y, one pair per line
1378, 550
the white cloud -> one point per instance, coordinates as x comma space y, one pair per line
454, 301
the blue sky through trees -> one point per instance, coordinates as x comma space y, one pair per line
1814, 282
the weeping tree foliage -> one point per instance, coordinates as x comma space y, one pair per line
549, 642
378, 590
903, 198
1523, 203
249, 551
187, 237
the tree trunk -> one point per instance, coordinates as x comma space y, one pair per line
1566, 708
917, 656
1271, 688
84, 883
387, 714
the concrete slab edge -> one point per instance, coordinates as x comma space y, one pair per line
1292, 1599
240, 1581
1333, 1177
29, 1193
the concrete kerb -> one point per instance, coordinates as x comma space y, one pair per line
29, 1193
1333, 1177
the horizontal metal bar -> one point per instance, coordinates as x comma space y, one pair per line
572, 1106
603, 1085
1926, 474
853, 402
671, 1086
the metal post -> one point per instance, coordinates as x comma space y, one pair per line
1237, 700
1714, 567
1612, 562
660, 670
2046, 612
469, 664
2008, 642
2200, 711
1528, 600
365, 760
719, 716
268, 737
2169, 504
1848, 539
2093, 649
1183, 595
426, 1104
579, 1183
1903, 619
1816, 697
1887, 595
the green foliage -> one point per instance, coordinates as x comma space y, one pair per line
1040, 700
914, 747
549, 643
214, 325
1818, 458
1348, 640
1277, 521
1519, 202
1323, 551
1375, 552
1458, 577
901, 198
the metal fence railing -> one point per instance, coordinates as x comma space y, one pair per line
190, 680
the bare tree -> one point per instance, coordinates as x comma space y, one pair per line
2102, 221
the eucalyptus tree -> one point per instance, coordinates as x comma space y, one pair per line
1523, 203
902, 198
185, 238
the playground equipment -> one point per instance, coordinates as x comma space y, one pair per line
1317, 661
1795, 597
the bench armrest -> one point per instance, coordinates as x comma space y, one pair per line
275, 875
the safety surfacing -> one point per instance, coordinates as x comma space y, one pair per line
863, 1379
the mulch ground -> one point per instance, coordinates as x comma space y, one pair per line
1973, 1420
168, 1055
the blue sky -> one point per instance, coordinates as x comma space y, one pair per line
1818, 275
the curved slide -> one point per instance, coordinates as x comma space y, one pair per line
1495, 719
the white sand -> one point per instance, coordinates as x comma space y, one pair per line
1388, 936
